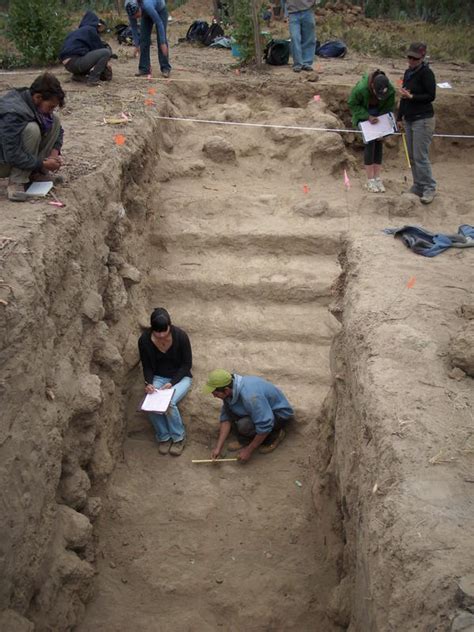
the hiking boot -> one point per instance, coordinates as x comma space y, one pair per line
16, 193
236, 444
79, 78
177, 447
307, 68
380, 186
164, 446
140, 73
428, 197
274, 442
92, 83
166, 73
371, 186
297, 68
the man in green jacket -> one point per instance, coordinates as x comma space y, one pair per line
372, 96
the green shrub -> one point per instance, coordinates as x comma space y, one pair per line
37, 28
242, 30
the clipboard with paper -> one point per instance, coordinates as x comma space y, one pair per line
158, 401
385, 126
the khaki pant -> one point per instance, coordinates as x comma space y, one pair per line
35, 144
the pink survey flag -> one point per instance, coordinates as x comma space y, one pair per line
347, 182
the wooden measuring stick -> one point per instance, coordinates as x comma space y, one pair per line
212, 460
404, 140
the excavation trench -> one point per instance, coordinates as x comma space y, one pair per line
250, 240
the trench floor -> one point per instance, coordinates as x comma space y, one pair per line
188, 547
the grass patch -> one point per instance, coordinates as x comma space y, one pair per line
391, 39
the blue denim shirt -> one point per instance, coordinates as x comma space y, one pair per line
156, 10
258, 399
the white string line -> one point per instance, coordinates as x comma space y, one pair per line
297, 127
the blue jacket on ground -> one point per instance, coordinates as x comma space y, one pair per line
258, 399
84, 39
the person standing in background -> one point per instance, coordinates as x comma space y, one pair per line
154, 13
372, 96
302, 25
416, 116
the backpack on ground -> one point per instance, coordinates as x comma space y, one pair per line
332, 48
277, 52
124, 34
213, 32
197, 31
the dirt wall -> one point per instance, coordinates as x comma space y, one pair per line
70, 316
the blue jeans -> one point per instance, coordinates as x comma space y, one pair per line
303, 37
170, 425
419, 134
153, 13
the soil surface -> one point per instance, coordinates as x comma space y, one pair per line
257, 246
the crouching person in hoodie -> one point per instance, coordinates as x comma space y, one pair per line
31, 135
85, 55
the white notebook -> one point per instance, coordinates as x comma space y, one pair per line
39, 189
158, 401
385, 126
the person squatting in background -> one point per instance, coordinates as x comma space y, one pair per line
134, 13
372, 96
416, 115
302, 27
166, 357
31, 135
85, 55
154, 13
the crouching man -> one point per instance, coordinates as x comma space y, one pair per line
31, 135
255, 409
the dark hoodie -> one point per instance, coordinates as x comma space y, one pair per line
84, 39
16, 111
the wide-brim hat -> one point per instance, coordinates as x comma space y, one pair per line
417, 50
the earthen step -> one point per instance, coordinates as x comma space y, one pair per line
283, 278
248, 321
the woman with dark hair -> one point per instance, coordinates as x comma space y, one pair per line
166, 356
31, 135
372, 96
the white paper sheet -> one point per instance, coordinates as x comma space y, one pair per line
385, 126
39, 189
445, 84
158, 401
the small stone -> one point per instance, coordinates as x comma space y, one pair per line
456, 374
125, 543
113, 565
268, 556
219, 149
124, 580
50, 394
465, 593
219, 580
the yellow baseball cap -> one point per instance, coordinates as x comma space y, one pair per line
217, 379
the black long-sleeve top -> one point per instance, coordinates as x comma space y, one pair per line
175, 363
422, 84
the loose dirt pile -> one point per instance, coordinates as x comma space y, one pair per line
248, 235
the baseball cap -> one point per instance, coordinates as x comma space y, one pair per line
417, 50
380, 86
217, 379
132, 8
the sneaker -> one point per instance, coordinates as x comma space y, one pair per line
372, 186
177, 447
166, 73
274, 442
380, 186
92, 83
297, 68
16, 193
236, 444
164, 446
428, 197
141, 73
307, 68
